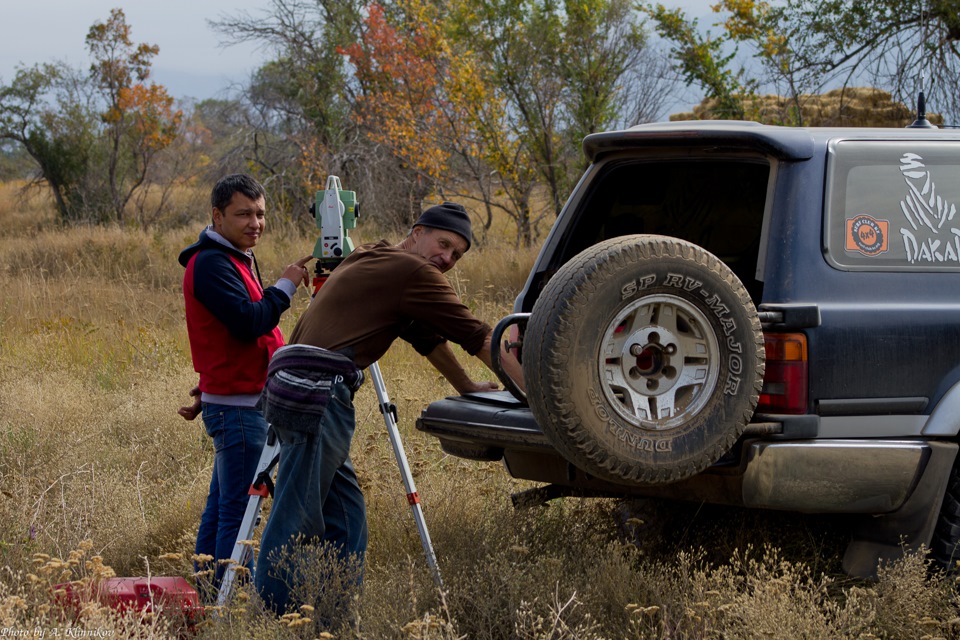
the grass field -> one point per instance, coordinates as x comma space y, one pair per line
99, 476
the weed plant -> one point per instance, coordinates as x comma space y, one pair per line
99, 476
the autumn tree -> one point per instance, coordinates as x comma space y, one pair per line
139, 118
501, 167
437, 111
400, 65
515, 44
295, 111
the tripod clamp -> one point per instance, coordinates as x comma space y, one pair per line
262, 485
389, 409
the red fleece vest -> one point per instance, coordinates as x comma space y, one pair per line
227, 366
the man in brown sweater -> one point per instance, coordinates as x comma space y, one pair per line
379, 293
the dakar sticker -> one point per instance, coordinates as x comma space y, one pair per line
867, 235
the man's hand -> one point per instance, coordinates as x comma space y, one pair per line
477, 387
297, 273
445, 362
507, 360
192, 411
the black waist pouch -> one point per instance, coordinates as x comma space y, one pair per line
299, 385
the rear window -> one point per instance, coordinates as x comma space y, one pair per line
717, 204
892, 206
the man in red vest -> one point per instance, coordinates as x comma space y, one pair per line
232, 322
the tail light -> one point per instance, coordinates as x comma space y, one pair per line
785, 381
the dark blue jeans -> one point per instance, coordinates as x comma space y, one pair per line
238, 436
317, 498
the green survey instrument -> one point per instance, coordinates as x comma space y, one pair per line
335, 211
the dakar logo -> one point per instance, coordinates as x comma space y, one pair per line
867, 235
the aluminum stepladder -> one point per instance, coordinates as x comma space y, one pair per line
262, 486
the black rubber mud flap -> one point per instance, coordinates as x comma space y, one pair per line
643, 359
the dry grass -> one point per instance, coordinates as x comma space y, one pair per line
99, 474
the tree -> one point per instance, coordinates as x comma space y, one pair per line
43, 109
436, 111
563, 71
488, 155
93, 137
610, 72
805, 46
139, 119
400, 66
296, 108
515, 42
899, 45
704, 60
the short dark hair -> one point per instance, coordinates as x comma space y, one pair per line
226, 186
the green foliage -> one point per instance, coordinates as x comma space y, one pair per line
704, 62
553, 73
603, 40
93, 138
38, 111
804, 46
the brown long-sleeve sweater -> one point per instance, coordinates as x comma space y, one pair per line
380, 293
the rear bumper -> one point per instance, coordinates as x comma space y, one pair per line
890, 488
482, 426
845, 476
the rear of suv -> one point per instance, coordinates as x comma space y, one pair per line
748, 315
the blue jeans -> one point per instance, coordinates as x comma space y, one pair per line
317, 498
238, 436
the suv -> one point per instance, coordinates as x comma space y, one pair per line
744, 314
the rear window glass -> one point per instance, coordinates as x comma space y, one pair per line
716, 204
893, 206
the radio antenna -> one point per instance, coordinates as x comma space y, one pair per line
921, 122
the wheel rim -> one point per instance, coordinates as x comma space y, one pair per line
659, 362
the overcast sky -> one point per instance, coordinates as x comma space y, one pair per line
192, 61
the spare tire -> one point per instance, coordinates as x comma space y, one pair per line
643, 359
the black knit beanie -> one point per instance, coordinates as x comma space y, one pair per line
449, 216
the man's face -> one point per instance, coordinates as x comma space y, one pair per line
441, 247
241, 222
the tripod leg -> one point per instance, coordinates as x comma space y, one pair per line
413, 498
258, 491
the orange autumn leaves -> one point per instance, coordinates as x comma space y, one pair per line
416, 95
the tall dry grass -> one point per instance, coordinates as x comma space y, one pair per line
99, 476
